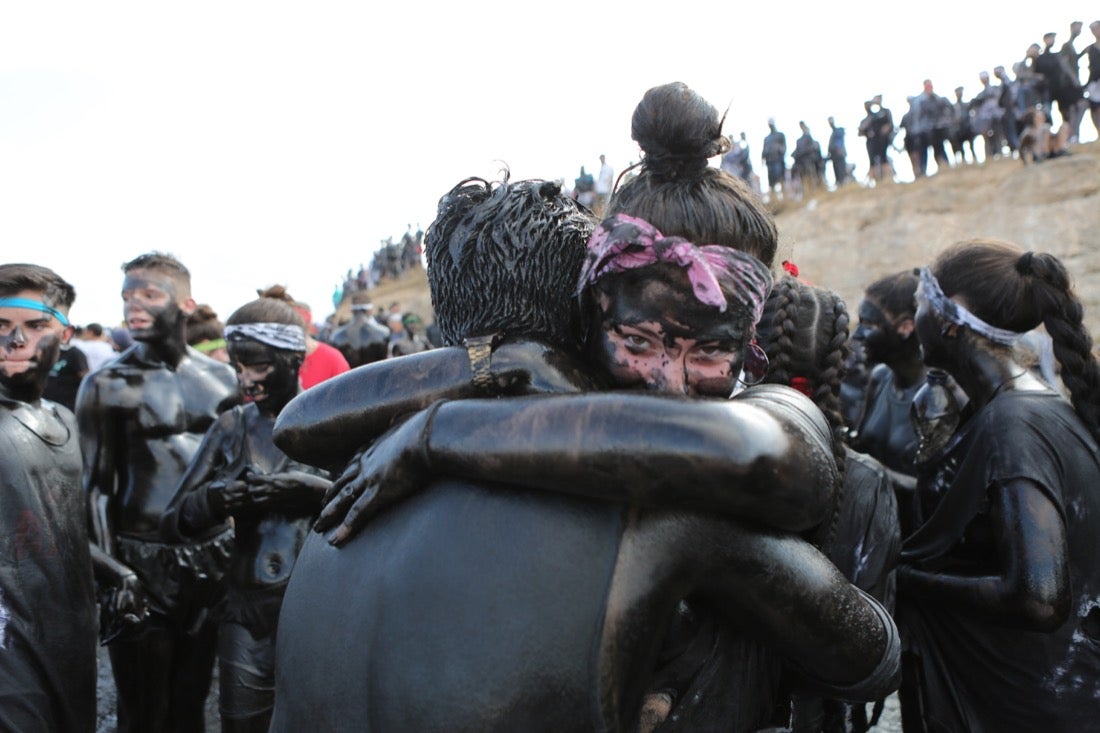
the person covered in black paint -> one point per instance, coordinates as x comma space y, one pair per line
886, 333
238, 472
999, 587
804, 332
47, 598
142, 417
496, 437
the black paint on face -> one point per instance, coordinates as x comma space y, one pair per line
653, 334
877, 333
929, 329
150, 305
30, 343
266, 375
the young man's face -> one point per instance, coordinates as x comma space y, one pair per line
30, 341
152, 305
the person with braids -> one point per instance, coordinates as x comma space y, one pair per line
999, 587
804, 332
664, 315
238, 472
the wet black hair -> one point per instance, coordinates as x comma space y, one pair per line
677, 191
804, 332
505, 258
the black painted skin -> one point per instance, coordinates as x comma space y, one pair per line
239, 472
47, 668
468, 607
141, 418
1031, 590
363, 340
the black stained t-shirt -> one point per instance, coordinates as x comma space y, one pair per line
978, 676
47, 602
886, 432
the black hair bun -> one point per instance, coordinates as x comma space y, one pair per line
678, 131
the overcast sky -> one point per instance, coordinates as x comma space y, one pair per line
281, 142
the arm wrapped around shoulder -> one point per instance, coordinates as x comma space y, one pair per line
883, 679
806, 478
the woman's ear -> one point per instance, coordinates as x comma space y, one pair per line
905, 328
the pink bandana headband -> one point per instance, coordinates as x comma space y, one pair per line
624, 242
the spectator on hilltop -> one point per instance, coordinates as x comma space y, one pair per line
738, 162
1031, 89
605, 182
1068, 55
1017, 97
914, 135
809, 167
989, 117
1038, 142
961, 133
1062, 85
1093, 84
584, 189
878, 128
837, 153
774, 155
935, 116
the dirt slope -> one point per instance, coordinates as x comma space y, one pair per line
844, 240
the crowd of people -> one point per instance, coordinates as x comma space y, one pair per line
1012, 114
641, 478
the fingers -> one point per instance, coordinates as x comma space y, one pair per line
351, 472
336, 505
364, 508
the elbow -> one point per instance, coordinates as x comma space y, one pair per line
1040, 612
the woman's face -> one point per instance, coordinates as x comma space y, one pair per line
878, 333
651, 333
266, 376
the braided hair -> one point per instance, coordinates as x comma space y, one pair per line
804, 332
1016, 290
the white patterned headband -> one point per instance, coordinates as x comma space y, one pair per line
284, 336
954, 312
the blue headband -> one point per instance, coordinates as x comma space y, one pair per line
34, 305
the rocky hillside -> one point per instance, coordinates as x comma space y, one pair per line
845, 239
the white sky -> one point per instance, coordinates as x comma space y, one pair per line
280, 142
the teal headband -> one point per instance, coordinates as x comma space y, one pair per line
34, 305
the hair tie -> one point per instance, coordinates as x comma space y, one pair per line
1023, 264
